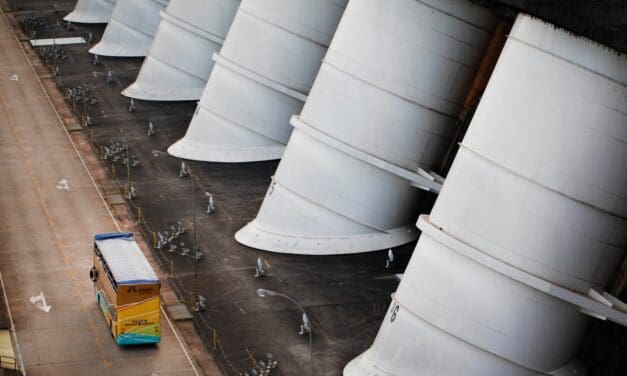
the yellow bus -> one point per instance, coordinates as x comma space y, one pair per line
127, 289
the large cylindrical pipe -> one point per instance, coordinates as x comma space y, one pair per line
131, 29
531, 218
385, 103
262, 77
179, 62
91, 11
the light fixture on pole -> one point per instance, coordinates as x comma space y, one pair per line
305, 326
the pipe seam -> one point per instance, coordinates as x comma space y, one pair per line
569, 61
328, 63
275, 181
203, 108
615, 215
417, 180
191, 28
253, 15
428, 228
414, 315
219, 59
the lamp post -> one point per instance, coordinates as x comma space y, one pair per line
306, 322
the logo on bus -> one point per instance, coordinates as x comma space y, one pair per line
140, 290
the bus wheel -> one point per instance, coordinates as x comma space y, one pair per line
93, 274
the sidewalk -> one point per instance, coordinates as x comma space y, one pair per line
46, 240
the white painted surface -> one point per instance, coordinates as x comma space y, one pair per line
56, 41
388, 94
125, 260
262, 77
91, 11
131, 29
530, 218
179, 62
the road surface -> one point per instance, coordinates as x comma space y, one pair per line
46, 240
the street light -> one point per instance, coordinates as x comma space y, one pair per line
306, 326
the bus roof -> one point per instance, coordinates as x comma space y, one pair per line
124, 259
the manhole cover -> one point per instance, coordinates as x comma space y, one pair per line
73, 126
179, 312
115, 199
